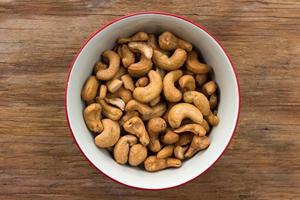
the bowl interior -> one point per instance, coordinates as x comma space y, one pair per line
223, 74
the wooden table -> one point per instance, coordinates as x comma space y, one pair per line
38, 157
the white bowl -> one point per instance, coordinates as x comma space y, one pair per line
214, 55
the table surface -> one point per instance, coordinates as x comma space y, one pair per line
38, 42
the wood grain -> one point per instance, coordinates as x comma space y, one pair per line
38, 40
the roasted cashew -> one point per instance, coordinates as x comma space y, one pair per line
183, 110
110, 134
141, 47
121, 149
171, 93
152, 42
135, 126
92, 117
128, 82
155, 126
193, 64
99, 65
166, 152
179, 152
199, 100
89, 90
209, 88
212, 119
123, 93
137, 154
151, 91
137, 37
213, 101
197, 129
170, 137
169, 63
102, 91
110, 112
201, 79
168, 41
114, 65
142, 108
113, 85
152, 163
140, 68
142, 82
127, 116
126, 55
187, 83
157, 111
198, 143
118, 102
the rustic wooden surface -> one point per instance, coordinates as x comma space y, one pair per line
38, 157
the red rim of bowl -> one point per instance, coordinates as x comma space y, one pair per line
159, 13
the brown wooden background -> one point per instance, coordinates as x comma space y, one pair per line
38, 40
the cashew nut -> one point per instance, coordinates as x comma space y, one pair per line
114, 65
140, 68
183, 110
213, 101
166, 152
179, 152
171, 93
123, 93
102, 91
128, 82
194, 128
170, 137
184, 139
155, 126
142, 108
137, 154
135, 126
142, 48
151, 91
138, 37
121, 149
199, 100
187, 83
110, 134
198, 143
89, 90
99, 65
118, 102
110, 112
113, 85
209, 88
152, 42
169, 63
152, 163
127, 116
193, 64
201, 79
212, 119
92, 117
126, 55
157, 111
168, 41
142, 82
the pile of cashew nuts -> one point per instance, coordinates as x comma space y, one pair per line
150, 101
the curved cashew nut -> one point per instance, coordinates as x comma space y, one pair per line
209, 88
171, 93
123, 93
138, 37
179, 152
183, 110
166, 152
92, 117
140, 68
213, 101
127, 116
187, 83
201, 79
155, 126
118, 102
114, 65
142, 48
151, 91
89, 90
126, 55
194, 128
193, 64
169, 63
168, 41
152, 42
152, 163
184, 139
110, 112
110, 134
142, 82
198, 143
142, 108
199, 100
157, 111
135, 126
170, 137
137, 154
121, 149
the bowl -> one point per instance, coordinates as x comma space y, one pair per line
213, 54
